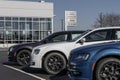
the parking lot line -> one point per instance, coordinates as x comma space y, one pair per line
24, 72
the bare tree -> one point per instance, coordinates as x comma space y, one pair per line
107, 20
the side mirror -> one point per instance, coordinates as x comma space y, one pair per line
82, 41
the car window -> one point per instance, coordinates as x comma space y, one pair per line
117, 35
78, 37
75, 35
97, 36
60, 38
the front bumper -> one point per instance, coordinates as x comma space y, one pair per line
36, 61
80, 70
12, 56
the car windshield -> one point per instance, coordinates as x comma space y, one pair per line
76, 38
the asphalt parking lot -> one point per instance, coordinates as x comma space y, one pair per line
12, 71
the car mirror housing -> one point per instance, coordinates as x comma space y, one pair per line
82, 41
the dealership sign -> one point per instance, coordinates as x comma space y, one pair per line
70, 18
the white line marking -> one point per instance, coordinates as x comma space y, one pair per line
24, 72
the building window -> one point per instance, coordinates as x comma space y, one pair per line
35, 25
22, 19
29, 19
35, 19
15, 18
22, 25
15, 25
1, 24
7, 18
24, 29
1, 18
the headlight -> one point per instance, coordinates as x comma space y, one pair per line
83, 56
11, 49
36, 51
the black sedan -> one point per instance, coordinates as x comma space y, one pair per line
21, 53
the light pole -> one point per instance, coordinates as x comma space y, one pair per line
62, 25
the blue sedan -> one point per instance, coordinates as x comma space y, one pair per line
95, 62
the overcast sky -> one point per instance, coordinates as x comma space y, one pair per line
87, 11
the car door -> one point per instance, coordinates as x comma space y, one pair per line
99, 36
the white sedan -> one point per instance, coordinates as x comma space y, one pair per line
53, 57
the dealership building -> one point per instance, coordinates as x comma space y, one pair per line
22, 21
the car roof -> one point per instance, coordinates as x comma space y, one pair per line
70, 31
115, 27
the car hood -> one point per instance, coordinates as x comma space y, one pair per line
32, 44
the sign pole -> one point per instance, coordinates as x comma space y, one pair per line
66, 27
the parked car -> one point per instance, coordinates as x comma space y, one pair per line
21, 53
53, 57
95, 62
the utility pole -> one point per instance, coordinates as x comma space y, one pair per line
62, 25
101, 19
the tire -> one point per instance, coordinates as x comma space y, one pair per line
54, 63
23, 57
108, 69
